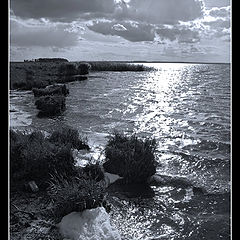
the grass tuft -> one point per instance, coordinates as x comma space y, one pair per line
76, 194
130, 157
67, 135
33, 156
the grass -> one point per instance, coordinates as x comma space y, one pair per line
117, 66
75, 194
67, 135
34, 156
67, 69
28, 75
130, 157
56, 89
64, 187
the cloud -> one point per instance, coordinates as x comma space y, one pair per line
66, 10
180, 34
160, 12
149, 11
119, 27
38, 33
171, 26
132, 31
219, 12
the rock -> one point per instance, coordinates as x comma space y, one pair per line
110, 178
55, 89
177, 181
91, 224
50, 105
198, 191
31, 186
83, 68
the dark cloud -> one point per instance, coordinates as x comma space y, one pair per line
59, 9
134, 32
149, 11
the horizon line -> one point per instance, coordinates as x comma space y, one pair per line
136, 61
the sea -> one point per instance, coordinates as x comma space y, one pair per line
186, 107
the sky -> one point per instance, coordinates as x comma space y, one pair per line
121, 30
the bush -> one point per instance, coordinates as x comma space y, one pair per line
33, 157
55, 89
50, 105
67, 135
83, 68
77, 194
67, 69
94, 171
130, 157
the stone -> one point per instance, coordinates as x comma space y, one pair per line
31, 186
90, 224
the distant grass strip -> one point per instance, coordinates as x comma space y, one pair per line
117, 66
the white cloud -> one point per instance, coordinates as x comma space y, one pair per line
119, 27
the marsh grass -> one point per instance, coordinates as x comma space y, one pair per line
56, 89
130, 157
117, 66
94, 171
67, 135
67, 69
33, 156
75, 194
83, 68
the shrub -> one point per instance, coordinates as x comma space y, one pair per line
50, 105
67, 69
33, 157
83, 68
130, 157
55, 89
76, 194
67, 135
94, 171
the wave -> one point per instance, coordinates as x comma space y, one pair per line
207, 145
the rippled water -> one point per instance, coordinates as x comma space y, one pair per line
186, 107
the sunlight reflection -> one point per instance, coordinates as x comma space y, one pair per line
163, 94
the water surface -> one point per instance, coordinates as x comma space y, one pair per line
186, 107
